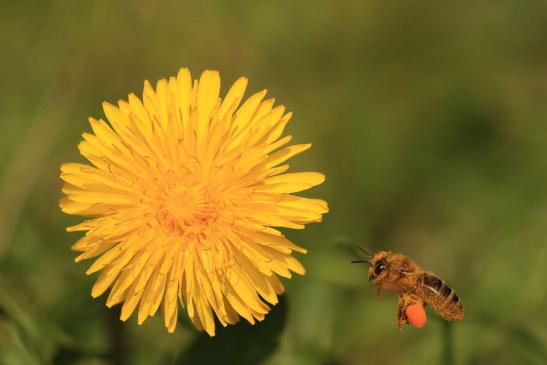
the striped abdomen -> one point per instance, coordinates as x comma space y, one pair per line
440, 296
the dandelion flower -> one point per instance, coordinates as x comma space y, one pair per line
183, 199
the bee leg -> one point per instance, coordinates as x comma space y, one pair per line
405, 301
401, 311
378, 291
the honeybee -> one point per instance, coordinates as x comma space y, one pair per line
398, 273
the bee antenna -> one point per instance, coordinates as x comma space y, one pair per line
366, 253
369, 257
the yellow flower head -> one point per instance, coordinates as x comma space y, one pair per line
181, 199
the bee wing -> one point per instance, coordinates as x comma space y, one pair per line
410, 278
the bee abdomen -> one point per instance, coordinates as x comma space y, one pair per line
440, 297
431, 281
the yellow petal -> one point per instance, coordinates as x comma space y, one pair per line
233, 97
207, 98
283, 155
291, 182
247, 110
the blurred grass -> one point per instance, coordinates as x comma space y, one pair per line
429, 119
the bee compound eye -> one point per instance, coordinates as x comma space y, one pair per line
378, 270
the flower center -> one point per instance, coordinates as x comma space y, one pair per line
186, 209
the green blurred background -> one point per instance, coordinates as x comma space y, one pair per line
429, 119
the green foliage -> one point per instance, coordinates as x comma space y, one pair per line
20, 329
428, 118
242, 344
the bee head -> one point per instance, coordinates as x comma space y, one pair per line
378, 265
